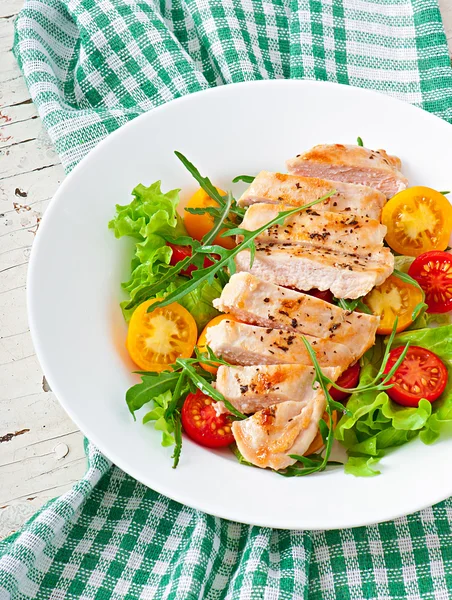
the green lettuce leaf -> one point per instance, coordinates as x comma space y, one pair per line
378, 424
199, 302
150, 218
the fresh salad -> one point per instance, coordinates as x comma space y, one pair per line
314, 308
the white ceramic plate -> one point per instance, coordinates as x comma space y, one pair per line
77, 266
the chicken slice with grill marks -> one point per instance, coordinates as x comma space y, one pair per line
352, 164
254, 388
255, 301
243, 344
292, 190
267, 438
346, 275
340, 232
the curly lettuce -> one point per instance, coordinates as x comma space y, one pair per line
377, 424
151, 219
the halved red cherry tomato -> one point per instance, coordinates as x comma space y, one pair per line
422, 374
325, 295
348, 379
201, 423
181, 252
433, 272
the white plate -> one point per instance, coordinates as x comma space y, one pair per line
77, 266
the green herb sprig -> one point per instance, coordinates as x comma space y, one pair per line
359, 141
244, 178
352, 305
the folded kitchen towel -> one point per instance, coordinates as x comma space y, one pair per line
91, 66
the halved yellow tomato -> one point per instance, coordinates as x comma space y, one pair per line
155, 339
202, 341
393, 298
198, 225
418, 219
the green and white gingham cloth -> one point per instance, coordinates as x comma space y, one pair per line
91, 66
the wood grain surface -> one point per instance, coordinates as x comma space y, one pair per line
41, 450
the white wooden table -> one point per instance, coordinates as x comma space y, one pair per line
41, 450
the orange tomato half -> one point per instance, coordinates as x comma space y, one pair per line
418, 219
155, 339
198, 225
393, 298
202, 341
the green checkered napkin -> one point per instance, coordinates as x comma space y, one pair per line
91, 66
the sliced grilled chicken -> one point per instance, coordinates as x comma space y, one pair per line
255, 301
292, 190
353, 164
250, 389
342, 232
346, 275
242, 344
268, 437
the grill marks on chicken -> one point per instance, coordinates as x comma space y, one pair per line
352, 164
340, 232
254, 301
268, 437
292, 190
255, 388
346, 275
243, 344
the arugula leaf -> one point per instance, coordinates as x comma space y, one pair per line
445, 193
209, 188
352, 305
153, 385
359, 141
244, 178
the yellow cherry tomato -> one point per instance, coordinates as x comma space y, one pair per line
317, 443
202, 341
418, 219
155, 339
198, 225
393, 298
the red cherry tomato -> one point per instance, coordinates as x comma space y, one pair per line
422, 374
181, 252
325, 295
201, 423
348, 379
433, 272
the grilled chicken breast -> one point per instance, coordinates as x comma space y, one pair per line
346, 275
341, 232
268, 437
255, 301
352, 164
250, 389
292, 190
242, 344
